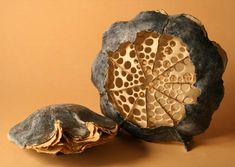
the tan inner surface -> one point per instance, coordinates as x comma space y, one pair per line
67, 144
150, 80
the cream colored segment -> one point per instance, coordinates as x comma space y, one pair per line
184, 93
174, 52
131, 104
124, 104
147, 59
184, 71
130, 62
166, 89
156, 113
127, 72
179, 82
173, 108
138, 114
120, 78
125, 99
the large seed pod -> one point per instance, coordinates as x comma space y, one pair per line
159, 76
65, 128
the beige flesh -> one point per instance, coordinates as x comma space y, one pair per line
59, 142
150, 80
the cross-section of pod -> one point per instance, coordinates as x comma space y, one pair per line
65, 128
159, 76
151, 79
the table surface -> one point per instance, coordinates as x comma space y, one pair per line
46, 52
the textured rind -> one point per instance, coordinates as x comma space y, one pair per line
121, 32
38, 128
204, 55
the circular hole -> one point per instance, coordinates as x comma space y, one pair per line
149, 42
127, 65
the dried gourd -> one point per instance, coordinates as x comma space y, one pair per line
65, 128
159, 76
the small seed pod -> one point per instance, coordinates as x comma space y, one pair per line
65, 128
159, 76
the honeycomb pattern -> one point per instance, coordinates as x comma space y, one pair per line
150, 80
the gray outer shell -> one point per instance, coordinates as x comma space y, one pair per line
204, 55
38, 128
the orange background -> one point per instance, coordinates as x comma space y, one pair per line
46, 51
